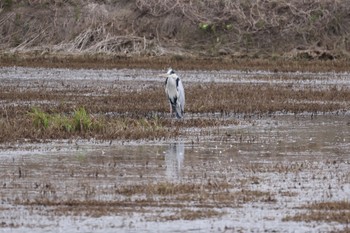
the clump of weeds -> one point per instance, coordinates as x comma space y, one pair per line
78, 122
40, 118
81, 120
81, 123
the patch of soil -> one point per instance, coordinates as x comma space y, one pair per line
176, 61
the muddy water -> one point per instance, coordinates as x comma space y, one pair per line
62, 78
250, 176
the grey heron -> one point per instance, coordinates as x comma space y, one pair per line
175, 93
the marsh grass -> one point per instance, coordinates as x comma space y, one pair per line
133, 113
40, 118
204, 98
108, 61
337, 211
200, 197
189, 214
79, 121
40, 124
63, 122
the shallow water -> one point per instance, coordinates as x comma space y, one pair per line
61, 78
294, 160
244, 177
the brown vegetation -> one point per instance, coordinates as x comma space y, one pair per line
131, 114
260, 174
99, 61
307, 30
324, 212
203, 197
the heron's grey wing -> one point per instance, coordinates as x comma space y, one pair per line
165, 88
181, 91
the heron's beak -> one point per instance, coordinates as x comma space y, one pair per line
163, 75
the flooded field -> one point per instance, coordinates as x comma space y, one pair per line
256, 152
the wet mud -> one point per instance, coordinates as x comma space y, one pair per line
236, 163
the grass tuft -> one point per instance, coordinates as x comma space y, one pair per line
40, 118
81, 120
337, 211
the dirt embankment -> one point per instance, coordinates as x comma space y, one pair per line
145, 28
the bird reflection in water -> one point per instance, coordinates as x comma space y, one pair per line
174, 158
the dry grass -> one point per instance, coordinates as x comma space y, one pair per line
187, 214
138, 114
224, 98
319, 216
324, 212
99, 208
121, 128
314, 29
204, 197
98, 61
338, 205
